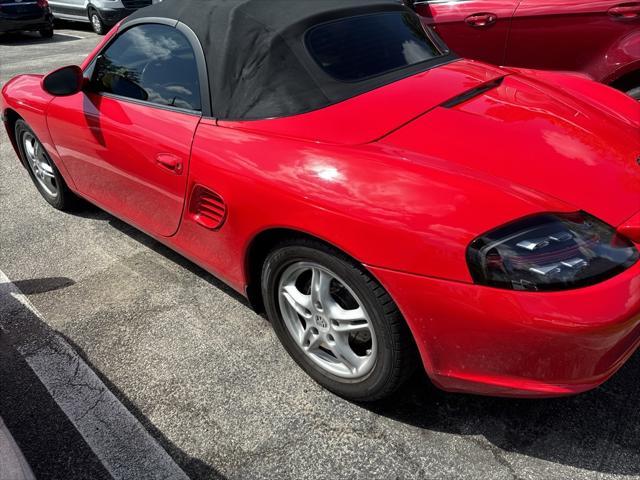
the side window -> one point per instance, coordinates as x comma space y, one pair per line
150, 62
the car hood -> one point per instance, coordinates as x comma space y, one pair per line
538, 136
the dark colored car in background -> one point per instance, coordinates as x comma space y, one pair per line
26, 15
599, 38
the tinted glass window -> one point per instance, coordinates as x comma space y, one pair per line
154, 63
356, 48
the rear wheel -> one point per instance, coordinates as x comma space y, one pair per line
42, 170
336, 321
96, 22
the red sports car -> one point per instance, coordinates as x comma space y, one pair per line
598, 37
382, 199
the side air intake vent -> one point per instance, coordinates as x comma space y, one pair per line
207, 208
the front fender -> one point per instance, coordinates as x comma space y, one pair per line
24, 96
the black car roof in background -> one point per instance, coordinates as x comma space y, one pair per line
257, 61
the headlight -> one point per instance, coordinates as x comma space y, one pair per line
550, 252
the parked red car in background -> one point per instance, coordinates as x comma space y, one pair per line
598, 37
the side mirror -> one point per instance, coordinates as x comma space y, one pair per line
64, 81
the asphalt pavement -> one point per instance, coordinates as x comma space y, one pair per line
208, 381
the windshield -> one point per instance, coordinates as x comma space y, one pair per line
357, 48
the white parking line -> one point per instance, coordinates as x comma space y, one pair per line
116, 437
77, 37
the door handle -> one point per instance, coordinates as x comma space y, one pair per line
481, 20
170, 162
625, 11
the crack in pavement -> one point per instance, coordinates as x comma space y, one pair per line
121, 443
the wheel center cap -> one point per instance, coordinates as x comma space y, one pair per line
321, 322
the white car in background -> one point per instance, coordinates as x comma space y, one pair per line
102, 14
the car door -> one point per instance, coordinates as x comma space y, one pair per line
571, 35
476, 29
75, 8
126, 140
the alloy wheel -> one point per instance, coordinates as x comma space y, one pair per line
327, 320
96, 23
40, 164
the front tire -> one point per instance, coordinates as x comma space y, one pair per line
97, 24
336, 321
42, 170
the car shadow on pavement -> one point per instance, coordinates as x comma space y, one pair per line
597, 430
60, 24
43, 285
49, 441
92, 212
9, 39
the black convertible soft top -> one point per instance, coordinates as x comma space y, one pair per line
258, 60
